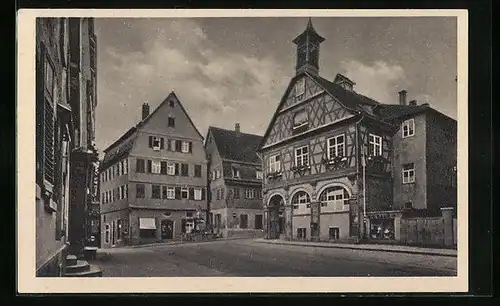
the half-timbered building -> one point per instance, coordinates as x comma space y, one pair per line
328, 155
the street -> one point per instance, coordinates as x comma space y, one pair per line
250, 258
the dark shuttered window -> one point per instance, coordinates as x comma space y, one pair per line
184, 170
176, 169
197, 170
177, 193
139, 165
149, 166
150, 141
191, 193
163, 167
162, 143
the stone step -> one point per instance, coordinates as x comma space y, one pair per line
80, 266
71, 260
93, 271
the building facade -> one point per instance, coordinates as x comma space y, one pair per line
153, 179
62, 56
337, 163
235, 182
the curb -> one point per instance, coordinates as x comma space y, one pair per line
159, 244
364, 249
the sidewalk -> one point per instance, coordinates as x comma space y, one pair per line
160, 244
366, 247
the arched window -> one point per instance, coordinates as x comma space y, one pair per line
335, 198
301, 198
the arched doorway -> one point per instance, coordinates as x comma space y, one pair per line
276, 215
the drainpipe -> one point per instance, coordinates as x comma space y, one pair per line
361, 224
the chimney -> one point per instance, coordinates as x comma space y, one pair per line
237, 127
145, 110
402, 97
413, 102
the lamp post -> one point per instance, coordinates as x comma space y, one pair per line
364, 158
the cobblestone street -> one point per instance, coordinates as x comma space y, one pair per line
253, 258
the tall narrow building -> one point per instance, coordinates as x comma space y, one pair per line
153, 178
65, 150
340, 165
235, 182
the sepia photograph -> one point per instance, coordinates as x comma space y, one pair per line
325, 146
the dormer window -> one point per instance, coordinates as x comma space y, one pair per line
408, 128
258, 174
300, 87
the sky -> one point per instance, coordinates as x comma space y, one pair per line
228, 70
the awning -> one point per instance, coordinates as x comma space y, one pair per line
147, 223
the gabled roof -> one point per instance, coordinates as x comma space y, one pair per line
112, 155
349, 99
236, 146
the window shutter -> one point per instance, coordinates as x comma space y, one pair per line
203, 193
178, 145
149, 166
150, 141
168, 145
190, 147
176, 169
178, 193
191, 193
162, 143
163, 167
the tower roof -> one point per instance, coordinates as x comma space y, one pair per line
309, 31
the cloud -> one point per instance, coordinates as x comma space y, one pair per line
380, 80
216, 87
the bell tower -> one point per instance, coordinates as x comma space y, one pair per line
308, 50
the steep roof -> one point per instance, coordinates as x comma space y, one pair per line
236, 146
116, 150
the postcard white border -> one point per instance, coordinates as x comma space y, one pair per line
28, 283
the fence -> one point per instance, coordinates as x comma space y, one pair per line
428, 231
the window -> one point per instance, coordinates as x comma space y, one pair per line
155, 192
249, 193
171, 121
140, 166
184, 193
197, 194
49, 77
156, 166
170, 193
243, 221
126, 191
155, 142
222, 193
119, 170
408, 173
258, 174
408, 205
217, 173
300, 119
126, 165
301, 233
375, 145
171, 168
236, 193
333, 233
336, 146
408, 128
106, 235
274, 164
300, 200
197, 170
302, 156
184, 169
122, 192
139, 190
171, 103
258, 222
186, 147
178, 145
217, 194
163, 167
236, 173
119, 232
335, 198
300, 87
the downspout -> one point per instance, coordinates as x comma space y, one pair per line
357, 174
